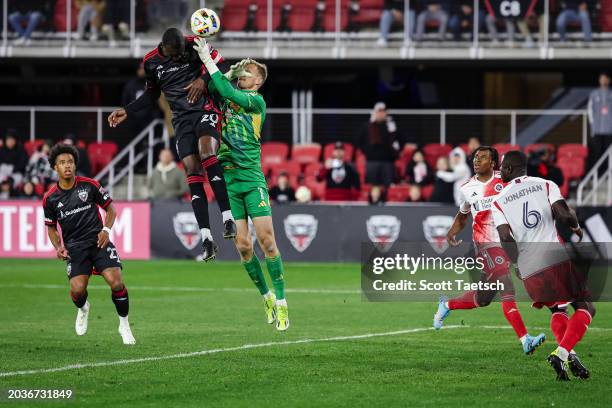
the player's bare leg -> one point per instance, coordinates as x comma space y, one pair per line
121, 299
251, 264
199, 203
264, 230
78, 293
208, 147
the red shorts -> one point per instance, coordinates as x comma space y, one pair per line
556, 285
495, 261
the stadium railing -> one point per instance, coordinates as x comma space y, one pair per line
336, 42
596, 187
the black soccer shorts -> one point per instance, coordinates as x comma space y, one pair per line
191, 127
91, 259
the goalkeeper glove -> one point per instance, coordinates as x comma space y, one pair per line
203, 50
238, 70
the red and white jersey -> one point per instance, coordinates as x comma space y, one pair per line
476, 197
525, 205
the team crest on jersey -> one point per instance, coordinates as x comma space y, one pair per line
383, 231
435, 228
499, 260
186, 229
301, 229
498, 187
83, 194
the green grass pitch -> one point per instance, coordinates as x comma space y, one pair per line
185, 307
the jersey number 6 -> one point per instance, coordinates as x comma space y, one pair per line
532, 218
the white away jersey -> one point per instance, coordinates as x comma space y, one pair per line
525, 205
477, 197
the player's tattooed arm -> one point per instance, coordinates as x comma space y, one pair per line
458, 226
103, 236
508, 242
56, 241
566, 216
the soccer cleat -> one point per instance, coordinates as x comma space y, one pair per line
125, 331
229, 229
81, 321
532, 343
577, 368
270, 309
441, 314
282, 317
210, 250
559, 366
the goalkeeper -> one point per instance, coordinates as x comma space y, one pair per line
240, 155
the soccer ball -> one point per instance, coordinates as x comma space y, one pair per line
205, 22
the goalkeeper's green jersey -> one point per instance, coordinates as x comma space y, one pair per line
244, 113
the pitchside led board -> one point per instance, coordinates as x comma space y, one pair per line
514, 9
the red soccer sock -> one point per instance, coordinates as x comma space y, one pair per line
576, 327
465, 301
558, 325
514, 317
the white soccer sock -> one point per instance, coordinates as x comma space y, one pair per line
85, 307
227, 215
268, 295
124, 320
446, 305
562, 353
281, 302
523, 339
206, 234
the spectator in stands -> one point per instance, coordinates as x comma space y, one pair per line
376, 196
457, 174
6, 189
39, 170
472, 145
90, 12
282, 192
341, 178
26, 16
414, 194
600, 117
462, 18
443, 189
492, 28
574, 11
28, 192
540, 163
380, 147
84, 165
13, 158
132, 91
116, 15
167, 181
433, 10
537, 15
418, 171
303, 195
394, 13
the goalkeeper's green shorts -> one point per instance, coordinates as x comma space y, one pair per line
247, 198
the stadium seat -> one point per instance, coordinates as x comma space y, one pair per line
100, 154
360, 164
348, 151
465, 148
306, 153
274, 153
316, 188
572, 150
398, 193
32, 145
434, 150
537, 146
369, 12
364, 193
426, 192
59, 17
503, 148
234, 14
312, 171
571, 169
291, 168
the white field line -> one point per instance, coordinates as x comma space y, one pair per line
181, 288
216, 351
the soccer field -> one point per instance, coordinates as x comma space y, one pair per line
202, 341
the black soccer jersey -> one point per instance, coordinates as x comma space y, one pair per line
171, 77
76, 211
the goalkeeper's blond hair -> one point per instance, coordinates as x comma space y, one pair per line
261, 68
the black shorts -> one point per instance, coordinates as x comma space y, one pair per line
189, 128
88, 260
380, 173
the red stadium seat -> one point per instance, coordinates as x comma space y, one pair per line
360, 164
407, 151
433, 151
316, 188
364, 193
503, 148
274, 153
32, 145
291, 168
100, 154
537, 146
426, 192
59, 18
465, 148
305, 154
398, 193
571, 169
572, 150
312, 171
348, 151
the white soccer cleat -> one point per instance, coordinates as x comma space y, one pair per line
81, 320
125, 331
